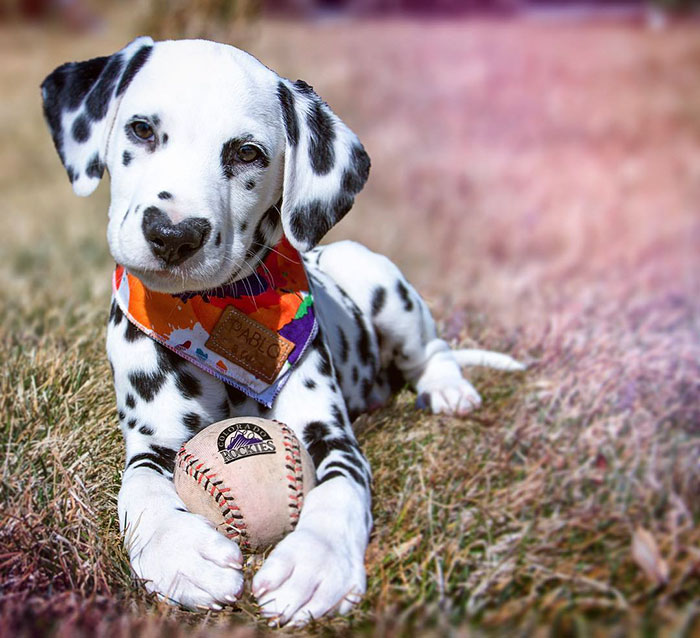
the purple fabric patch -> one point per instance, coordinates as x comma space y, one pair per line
298, 331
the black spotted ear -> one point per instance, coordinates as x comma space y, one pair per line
79, 98
325, 165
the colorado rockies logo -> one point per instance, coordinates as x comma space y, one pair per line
241, 440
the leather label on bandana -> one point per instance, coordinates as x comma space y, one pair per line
250, 345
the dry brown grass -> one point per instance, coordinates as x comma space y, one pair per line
540, 185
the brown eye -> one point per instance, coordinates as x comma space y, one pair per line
142, 130
247, 153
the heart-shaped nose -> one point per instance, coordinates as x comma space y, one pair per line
173, 243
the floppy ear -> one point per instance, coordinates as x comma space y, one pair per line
325, 165
79, 105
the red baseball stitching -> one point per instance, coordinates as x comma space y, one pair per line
235, 526
295, 479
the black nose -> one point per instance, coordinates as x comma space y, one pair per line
173, 243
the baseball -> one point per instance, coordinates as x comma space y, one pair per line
248, 476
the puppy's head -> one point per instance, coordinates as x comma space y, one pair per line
212, 156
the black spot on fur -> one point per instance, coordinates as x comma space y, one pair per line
149, 465
169, 361
217, 241
64, 90
250, 185
363, 341
314, 432
165, 456
355, 374
304, 87
135, 64
378, 300
115, 313
72, 175
235, 396
121, 415
243, 227
321, 153
131, 423
320, 444
164, 195
344, 345
343, 444
188, 385
310, 222
81, 129
147, 384
145, 429
355, 176
68, 85
95, 167
126, 158
228, 158
164, 141
318, 450
327, 476
403, 293
366, 389
291, 124
130, 401
97, 103
192, 421
160, 458
309, 383
324, 365
259, 246
346, 469
132, 333
338, 416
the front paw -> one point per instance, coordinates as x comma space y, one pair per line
454, 397
187, 562
307, 576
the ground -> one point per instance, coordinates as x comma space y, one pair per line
539, 184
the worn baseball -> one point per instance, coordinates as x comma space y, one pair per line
248, 476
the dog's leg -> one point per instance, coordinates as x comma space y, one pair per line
162, 401
319, 567
405, 329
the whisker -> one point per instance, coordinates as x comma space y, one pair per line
277, 252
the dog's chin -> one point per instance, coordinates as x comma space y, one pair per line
176, 281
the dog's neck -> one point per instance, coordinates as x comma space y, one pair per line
261, 271
247, 333
267, 235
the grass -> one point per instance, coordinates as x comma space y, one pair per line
539, 184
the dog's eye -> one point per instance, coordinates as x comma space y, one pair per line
247, 153
142, 130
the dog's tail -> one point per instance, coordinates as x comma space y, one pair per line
488, 359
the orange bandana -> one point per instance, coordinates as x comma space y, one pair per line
249, 333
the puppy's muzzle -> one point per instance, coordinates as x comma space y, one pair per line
173, 243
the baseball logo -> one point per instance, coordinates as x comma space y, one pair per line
242, 440
255, 502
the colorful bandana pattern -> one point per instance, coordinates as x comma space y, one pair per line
273, 302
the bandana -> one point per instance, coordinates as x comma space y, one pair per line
249, 333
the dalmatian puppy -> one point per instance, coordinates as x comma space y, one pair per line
213, 158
